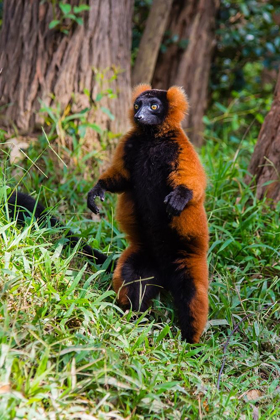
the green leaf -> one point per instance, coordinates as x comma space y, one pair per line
79, 20
183, 43
277, 42
79, 115
81, 8
245, 9
256, 328
96, 127
107, 112
163, 333
225, 244
166, 385
76, 281
71, 16
206, 120
54, 23
235, 124
221, 107
217, 322
98, 98
267, 17
260, 118
270, 47
65, 8
82, 130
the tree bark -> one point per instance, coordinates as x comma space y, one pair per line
47, 64
187, 61
150, 42
265, 161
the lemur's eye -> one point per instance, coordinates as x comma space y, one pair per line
136, 106
154, 107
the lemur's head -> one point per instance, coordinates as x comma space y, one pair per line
151, 107
155, 107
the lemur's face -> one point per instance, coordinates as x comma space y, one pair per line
150, 108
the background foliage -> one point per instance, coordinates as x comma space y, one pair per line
248, 44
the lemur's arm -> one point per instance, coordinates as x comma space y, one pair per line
188, 179
116, 179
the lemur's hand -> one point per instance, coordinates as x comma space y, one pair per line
96, 191
177, 200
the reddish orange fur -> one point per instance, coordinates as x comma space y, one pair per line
135, 93
118, 283
138, 90
198, 269
125, 215
178, 107
117, 168
189, 169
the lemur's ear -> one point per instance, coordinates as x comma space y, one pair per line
139, 89
178, 104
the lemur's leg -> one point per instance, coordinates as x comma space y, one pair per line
136, 280
189, 287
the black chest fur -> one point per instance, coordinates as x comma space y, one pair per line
150, 161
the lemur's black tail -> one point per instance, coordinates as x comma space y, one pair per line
22, 205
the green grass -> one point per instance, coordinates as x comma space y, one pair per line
69, 352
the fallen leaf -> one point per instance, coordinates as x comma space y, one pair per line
5, 388
16, 145
253, 394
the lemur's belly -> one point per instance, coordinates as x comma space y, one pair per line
154, 222
150, 164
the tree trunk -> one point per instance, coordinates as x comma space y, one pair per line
150, 42
265, 162
187, 60
46, 64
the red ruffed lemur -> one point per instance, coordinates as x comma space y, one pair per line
162, 184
